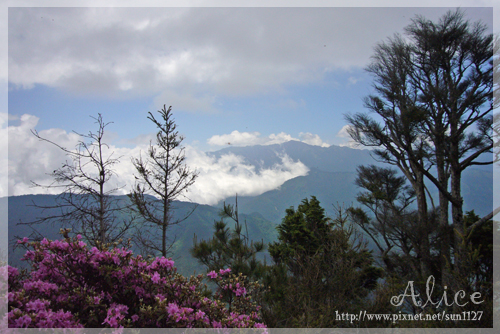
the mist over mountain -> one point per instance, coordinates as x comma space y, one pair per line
327, 159
332, 171
331, 176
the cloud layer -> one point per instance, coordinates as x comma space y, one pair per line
176, 53
229, 175
30, 160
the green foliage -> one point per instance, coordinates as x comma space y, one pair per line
481, 239
301, 231
230, 249
388, 222
316, 259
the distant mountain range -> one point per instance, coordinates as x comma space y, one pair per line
331, 176
327, 159
331, 179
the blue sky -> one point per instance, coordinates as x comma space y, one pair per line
243, 76
293, 111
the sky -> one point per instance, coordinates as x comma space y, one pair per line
233, 75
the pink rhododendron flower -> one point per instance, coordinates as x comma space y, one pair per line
156, 277
25, 240
172, 308
166, 263
199, 315
22, 322
64, 273
241, 291
212, 274
37, 305
12, 271
225, 271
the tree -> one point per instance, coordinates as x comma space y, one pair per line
392, 223
302, 230
164, 175
234, 250
399, 141
481, 239
434, 95
86, 203
316, 258
230, 249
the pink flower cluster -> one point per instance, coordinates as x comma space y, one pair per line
70, 285
237, 292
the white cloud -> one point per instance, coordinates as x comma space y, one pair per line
229, 175
4, 154
277, 139
237, 138
30, 160
352, 81
347, 140
312, 139
187, 101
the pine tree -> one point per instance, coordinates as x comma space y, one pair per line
230, 248
316, 258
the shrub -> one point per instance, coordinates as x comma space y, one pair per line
71, 285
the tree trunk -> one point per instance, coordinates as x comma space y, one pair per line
443, 177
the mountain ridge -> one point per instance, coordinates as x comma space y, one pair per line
477, 183
200, 223
328, 159
332, 171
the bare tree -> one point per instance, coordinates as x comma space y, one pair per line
162, 178
86, 203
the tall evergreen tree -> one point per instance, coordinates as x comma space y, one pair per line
316, 259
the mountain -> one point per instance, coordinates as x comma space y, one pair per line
331, 176
331, 179
332, 171
200, 223
327, 159
330, 188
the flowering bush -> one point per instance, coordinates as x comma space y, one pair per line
3, 296
71, 285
